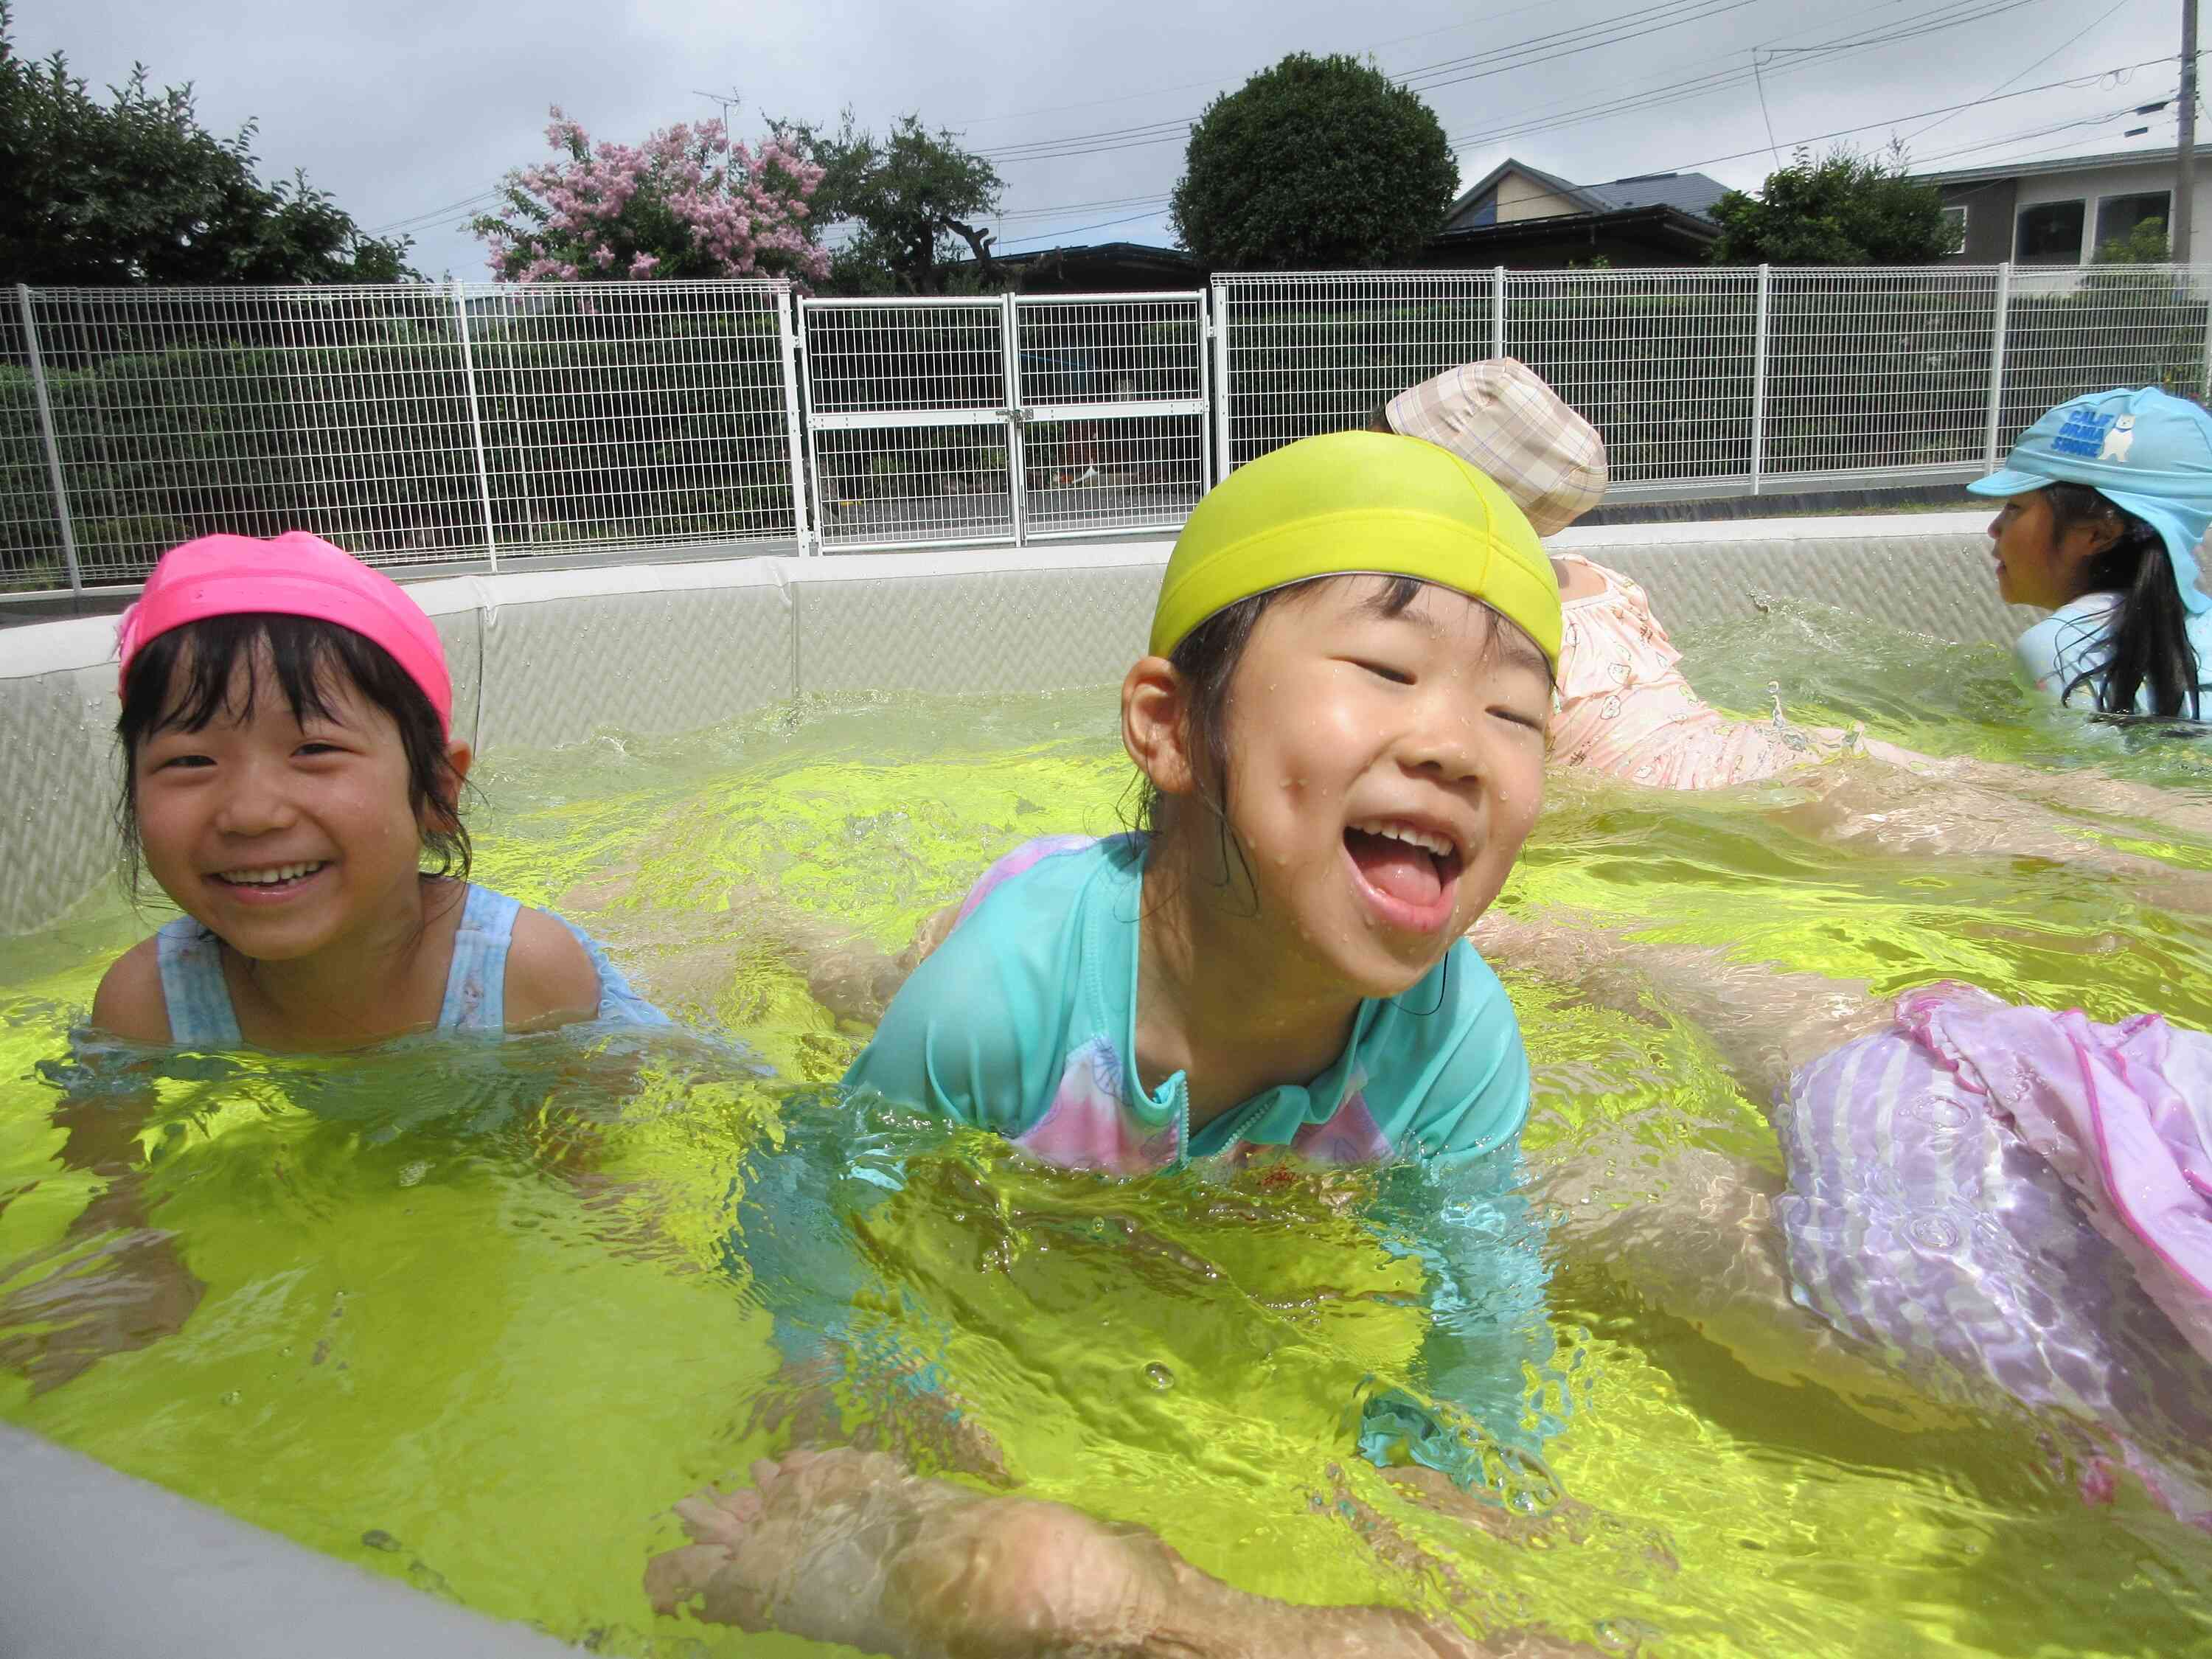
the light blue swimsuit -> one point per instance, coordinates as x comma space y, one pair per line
201, 1015
2072, 640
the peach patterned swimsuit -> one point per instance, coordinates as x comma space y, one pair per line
1624, 708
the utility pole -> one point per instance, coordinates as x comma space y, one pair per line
2184, 183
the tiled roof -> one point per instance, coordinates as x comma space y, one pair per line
1693, 192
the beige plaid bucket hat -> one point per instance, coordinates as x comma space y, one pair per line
1500, 417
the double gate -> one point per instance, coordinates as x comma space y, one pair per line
1012, 418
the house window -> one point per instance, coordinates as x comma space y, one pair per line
2118, 216
2050, 232
1954, 230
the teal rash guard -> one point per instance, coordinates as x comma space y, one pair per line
1023, 1023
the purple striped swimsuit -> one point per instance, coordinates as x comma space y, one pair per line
2005, 1197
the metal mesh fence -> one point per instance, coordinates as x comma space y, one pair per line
1115, 436
420, 424
1308, 354
1878, 369
410, 424
182, 412
30, 529
1858, 376
908, 406
2073, 331
1661, 361
1011, 418
625, 414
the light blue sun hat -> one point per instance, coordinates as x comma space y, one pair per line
2146, 451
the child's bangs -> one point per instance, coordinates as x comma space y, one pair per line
183, 681
1506, 638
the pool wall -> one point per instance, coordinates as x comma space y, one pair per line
95, 1564
546, 658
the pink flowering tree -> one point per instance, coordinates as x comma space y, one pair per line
686, 202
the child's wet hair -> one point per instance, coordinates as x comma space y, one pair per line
184, 679
2148, 634
1207, 658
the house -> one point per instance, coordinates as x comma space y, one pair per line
1520, 217
1515, 216
2061, 212
1105, 268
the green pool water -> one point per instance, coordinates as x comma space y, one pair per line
477, 1320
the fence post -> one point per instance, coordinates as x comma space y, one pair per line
801, 529
52, 439
476, 422
1224, 458
1760, 328
1497, 310
1017, 415
1205, 461
2197, 272
1996, 362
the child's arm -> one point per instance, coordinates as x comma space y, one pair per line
970, 1037
113, 1281
1456, 1090
1480, 1247
845, 1546
551, 979
129, 1004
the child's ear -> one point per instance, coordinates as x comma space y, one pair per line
444, 811
1155, 702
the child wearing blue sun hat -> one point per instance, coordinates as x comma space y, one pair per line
2106, 499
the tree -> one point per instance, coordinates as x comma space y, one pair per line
2143, 246
136, 191
1316, 163
686, 202
907, 203
1840, 208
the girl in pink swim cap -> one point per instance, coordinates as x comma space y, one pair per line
292, 781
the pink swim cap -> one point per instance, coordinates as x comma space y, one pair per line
297, 574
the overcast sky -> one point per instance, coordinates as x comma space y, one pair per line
407, 109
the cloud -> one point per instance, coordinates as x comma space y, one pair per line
398, 110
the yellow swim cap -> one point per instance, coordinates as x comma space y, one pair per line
1358, 503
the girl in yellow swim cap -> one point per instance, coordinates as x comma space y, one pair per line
1340, 730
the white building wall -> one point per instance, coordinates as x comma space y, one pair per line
2090, 185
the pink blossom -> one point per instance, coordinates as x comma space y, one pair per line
605, 208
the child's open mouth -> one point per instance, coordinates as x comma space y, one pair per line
1410, 875
270, 880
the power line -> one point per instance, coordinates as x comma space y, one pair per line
1719, 80
2028, 133
1520, 54
1943, 109
483, 197
1962, 12
1227, 75
1159, 132
1077, 230
2032, 68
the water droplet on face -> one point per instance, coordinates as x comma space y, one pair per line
1159, 1375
